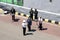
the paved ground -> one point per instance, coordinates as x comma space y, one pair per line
10, 30
47, 6
44, 5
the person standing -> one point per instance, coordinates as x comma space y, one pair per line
31, 13
40, 23
13, 13
24, 24
29, 23
36, 15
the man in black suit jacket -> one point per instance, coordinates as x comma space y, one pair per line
31, 13
13, 13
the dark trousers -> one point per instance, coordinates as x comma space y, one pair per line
36, 17
24, 31
40, 26
31, 16
29, 27
13, 17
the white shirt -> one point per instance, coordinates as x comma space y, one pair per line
24, 24
40, 20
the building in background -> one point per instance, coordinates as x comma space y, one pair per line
17, 2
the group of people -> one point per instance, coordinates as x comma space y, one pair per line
28, 22
35, 14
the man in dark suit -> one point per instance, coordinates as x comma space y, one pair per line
29, 23
36, 15
13, 13
31, 13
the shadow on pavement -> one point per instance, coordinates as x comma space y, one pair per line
16, 20
44, 29
33, 30
29, 33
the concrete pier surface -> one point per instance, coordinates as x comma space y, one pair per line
10, 30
